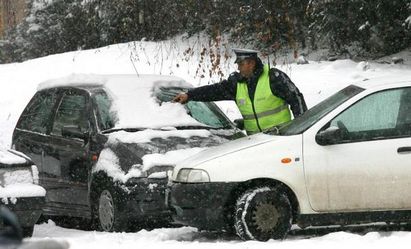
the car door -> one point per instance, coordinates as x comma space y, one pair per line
66, 158
30, 135
367, 166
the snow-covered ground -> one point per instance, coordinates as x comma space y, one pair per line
316, 80
189, 238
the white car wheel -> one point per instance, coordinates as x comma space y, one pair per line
263, 213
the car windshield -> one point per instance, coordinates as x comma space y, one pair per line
206, 113
310, 117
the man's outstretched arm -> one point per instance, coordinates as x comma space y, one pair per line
224, 90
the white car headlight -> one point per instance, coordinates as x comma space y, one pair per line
192, 175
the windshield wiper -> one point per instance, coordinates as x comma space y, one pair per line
194, 127
181, 127
122, 129
277, 130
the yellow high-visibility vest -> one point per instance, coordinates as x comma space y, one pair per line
266, 111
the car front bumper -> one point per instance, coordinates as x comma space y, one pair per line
146, 199
202, 205
27, 209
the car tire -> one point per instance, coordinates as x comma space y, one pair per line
108, 216
263, 213
27, 231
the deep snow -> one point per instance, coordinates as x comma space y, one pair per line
316, 80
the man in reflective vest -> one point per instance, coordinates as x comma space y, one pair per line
264, 96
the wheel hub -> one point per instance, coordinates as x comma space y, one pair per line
106, 210
265, 217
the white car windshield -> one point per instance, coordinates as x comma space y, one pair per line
310, 117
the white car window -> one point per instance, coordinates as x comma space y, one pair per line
380, 115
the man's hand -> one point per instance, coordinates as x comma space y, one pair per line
181, 98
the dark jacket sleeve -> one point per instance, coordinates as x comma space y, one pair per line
224, 90
283, 87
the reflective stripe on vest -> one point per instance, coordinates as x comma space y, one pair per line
266, 111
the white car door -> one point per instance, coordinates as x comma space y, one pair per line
368, 165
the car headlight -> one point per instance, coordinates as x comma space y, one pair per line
192, 175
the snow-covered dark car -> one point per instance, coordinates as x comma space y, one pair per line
105, 143
19, 189
345, 161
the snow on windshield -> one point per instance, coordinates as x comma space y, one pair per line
133, 97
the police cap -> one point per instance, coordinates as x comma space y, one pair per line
243, 54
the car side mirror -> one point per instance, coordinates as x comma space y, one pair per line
328, 136
239, 123
73, 131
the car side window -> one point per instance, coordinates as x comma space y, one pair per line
72, 111
37, 114
404, 117
382, 115
105, 118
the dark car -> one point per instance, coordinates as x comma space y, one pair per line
104, 144
19, 189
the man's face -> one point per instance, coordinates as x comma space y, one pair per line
246, 67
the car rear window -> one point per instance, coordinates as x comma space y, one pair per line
38, 112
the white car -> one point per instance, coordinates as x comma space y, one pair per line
347, 160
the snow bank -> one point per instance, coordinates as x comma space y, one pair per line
189, 238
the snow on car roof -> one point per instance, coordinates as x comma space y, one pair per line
134, 99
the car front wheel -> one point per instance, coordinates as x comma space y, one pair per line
262, 213
108, 215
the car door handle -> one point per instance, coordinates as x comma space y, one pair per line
404, 150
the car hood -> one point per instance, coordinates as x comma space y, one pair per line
143, 153
248, 158
226, 148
